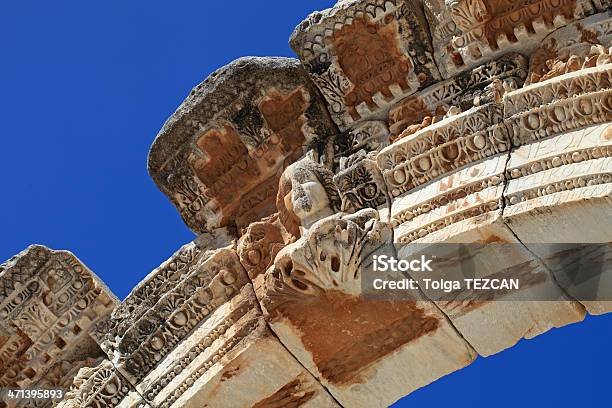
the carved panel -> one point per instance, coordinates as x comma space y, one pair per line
312, 299
471, 32
366, 55
466, 193
231, 139
361, 185
48, 303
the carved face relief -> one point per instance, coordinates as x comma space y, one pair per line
306, 194
369, 55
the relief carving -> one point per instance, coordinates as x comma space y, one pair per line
366, 55
454, 95
312, 299
306, 193
471, 121
443, 147
369, 56
49, 305
361, 184
220, 155
482, 30
259, 245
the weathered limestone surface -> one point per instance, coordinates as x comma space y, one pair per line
219, 156
366, 55
368, 354
192, 331
492, 326
405, 125
467, 33
49, 305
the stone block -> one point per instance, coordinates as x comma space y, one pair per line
366, 353
219, 156
365, 56
50, 303
468, 33
559, 192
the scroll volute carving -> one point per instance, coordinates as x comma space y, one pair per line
327, 258
306, 194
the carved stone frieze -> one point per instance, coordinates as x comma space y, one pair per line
366, 55
583, 44
49, 305
467, 33
233, 349
160, 281
471, 192
190, 301
443, 147
466, 207
219, 157
559, 192
565, 103
457, 93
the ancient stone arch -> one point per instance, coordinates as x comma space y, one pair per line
402, 123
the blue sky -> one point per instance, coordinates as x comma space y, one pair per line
84, 88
